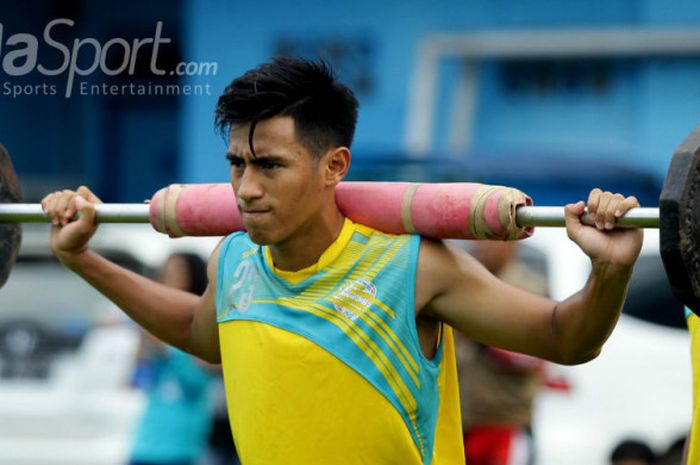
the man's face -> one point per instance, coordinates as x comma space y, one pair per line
277, 190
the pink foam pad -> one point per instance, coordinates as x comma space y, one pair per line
444, 208
438, 210
200, 210
376, 204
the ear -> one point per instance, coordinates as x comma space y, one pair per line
335, 163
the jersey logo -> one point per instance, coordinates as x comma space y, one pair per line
240, 295
352, 298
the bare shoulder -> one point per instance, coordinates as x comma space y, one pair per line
441, 266
443, 258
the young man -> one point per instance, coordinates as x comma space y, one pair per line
333, 336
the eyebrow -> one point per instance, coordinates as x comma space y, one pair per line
262, 158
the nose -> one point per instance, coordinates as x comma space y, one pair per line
249, 186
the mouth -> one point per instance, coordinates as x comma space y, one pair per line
252, 214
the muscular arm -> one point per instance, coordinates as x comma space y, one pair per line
182, 319
456, 288
177, 317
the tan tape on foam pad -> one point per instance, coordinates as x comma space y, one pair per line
508, 201
406, 203
170, 208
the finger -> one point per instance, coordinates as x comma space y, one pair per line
64, 198
70, 211
83, 196
88, 195
612, 207
573, 211
627, 204
603, 202
50, 205
87, 213
47, 204
572, 215
593, 200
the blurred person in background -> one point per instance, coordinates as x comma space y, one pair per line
178, 416
498, 387
632, 452
222, 450
673, 455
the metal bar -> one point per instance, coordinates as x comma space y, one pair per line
554, 216
105, 213
139, 213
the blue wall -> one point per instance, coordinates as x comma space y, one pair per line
123, 147
648, 108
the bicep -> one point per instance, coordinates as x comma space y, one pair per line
469, 298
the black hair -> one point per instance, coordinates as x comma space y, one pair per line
633, 449
324, 110
196, 270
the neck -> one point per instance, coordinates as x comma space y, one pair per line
307, 245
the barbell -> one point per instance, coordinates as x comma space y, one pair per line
440, 210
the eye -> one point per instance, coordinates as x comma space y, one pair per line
236, 162
269, 165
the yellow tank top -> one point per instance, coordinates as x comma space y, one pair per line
694, 444
323, 366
